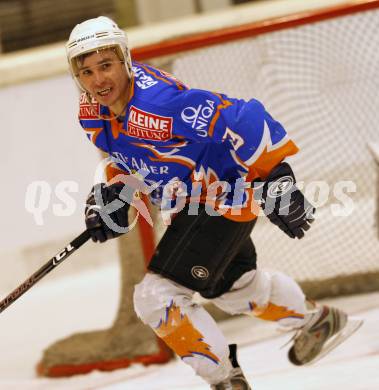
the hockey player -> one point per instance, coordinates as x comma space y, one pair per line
205, 151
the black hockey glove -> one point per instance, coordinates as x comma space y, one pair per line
106, 214
283, 203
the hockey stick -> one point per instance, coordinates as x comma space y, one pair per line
44, 270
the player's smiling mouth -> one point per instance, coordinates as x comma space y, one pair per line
104, 92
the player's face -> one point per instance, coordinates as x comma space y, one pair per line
104, 76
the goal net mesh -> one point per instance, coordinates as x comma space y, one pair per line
321, 81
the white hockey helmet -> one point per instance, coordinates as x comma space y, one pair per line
96, 34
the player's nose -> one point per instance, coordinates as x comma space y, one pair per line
98, 77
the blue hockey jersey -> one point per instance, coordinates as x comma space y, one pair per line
189, 136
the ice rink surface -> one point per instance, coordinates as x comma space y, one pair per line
54, 310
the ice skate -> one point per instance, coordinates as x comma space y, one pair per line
327, 328
236, 380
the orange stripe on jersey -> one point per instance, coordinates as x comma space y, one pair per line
178, 332
179, 144
270, 159
225, 103
117, 128
273, 312
165, 157
147, 70
171, 82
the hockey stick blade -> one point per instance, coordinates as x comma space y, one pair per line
45, 269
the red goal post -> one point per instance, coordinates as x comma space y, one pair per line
317, 72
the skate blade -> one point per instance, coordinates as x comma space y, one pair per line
352, 325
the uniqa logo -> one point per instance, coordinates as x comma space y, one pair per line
199, 117
199, 272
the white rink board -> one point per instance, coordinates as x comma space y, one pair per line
53, 310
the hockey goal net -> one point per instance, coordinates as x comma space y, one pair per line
318, 74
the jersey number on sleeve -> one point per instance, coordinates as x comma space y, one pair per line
235, 139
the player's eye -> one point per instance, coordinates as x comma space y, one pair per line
106, 65
85, 72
